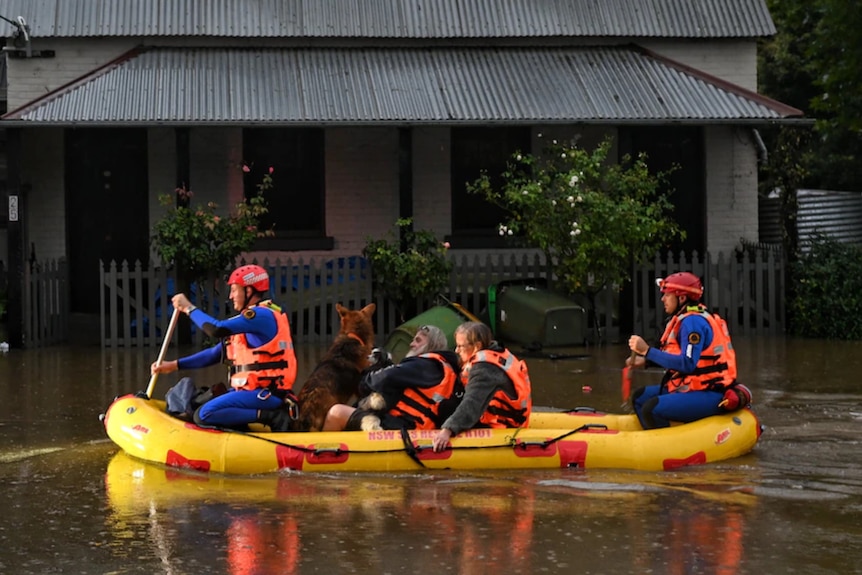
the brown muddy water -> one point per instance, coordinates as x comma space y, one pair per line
73, 504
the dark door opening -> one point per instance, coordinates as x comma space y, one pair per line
106, 206
681, 146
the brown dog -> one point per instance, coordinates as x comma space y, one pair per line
336, 377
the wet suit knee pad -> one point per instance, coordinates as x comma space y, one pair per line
646, 412
637, 393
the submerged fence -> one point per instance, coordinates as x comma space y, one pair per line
133, 298
746, 288
46, 301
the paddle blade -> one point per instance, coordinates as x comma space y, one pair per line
627, 383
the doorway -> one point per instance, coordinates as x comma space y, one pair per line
106, 206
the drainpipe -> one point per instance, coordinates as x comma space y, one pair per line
762, 152
405, 176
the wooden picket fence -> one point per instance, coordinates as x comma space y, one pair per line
46, 297
745, 288
133, 297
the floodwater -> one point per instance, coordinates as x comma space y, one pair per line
72, 504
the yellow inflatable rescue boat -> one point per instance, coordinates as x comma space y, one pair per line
581, 438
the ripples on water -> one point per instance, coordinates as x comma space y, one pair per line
74, 505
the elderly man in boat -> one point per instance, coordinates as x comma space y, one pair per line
418, 393
697, 354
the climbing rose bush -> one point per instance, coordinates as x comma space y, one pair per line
197, 241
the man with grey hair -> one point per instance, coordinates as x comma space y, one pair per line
418, 393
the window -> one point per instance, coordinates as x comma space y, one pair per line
296, 202
475, 221
665, 148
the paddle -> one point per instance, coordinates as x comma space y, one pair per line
164, 349
627, 379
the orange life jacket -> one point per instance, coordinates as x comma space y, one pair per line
716, 368
421, 405
273, 363
503, 410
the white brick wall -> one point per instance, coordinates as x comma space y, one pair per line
731, 60
31, 78
731, 198
361, 185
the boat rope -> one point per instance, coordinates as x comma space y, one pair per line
411, 449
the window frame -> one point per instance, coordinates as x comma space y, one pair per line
297, 156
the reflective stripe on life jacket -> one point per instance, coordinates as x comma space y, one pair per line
273, 363
503, 410
421, 405
716, 368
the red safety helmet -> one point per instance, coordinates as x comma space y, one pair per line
250, 275
681, 283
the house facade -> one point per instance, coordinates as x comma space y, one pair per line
366, 110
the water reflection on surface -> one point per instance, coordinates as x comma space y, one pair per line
74, 505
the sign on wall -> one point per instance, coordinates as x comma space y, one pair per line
13, 208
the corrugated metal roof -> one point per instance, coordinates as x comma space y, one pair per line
393, 18
607, 84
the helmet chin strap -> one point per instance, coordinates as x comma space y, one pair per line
246, 299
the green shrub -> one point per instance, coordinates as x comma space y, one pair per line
828, 286
590, 215
409, 266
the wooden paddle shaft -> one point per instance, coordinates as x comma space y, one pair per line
164, 349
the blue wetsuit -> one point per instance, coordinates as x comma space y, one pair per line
239, 406
665, 407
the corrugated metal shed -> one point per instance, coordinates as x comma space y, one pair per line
394, 18
837, 215
356, 86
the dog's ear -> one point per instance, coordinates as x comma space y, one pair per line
340, 309
368, 310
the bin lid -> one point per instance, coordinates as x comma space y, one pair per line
446, 317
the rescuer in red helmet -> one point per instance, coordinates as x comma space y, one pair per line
698, 356
258, 346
